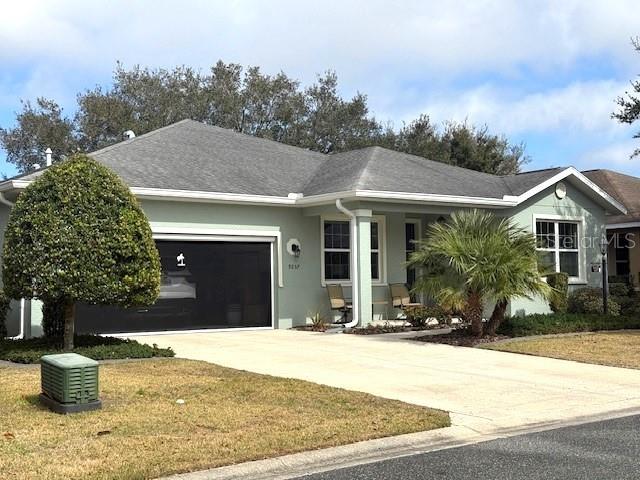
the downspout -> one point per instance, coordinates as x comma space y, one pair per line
9, 204
4, 201
354, 264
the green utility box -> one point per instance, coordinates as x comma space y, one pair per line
69, 383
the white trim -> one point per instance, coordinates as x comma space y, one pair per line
614, 226
560, 176
219, 197
582, 257
382, 250
224, 234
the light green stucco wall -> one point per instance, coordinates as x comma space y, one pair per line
302, 292
575, 204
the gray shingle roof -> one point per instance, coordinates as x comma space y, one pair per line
376, 168
624, 188
192, 156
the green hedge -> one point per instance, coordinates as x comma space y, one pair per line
564, 323
588, 300
92, 346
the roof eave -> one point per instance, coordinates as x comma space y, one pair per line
610, 203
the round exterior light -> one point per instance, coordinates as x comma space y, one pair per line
293, 247
561, 190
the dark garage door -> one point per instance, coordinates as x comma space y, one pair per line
204, 285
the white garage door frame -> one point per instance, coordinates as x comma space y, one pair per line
273, 237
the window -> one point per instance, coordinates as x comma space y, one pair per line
557, 243
337, 250
410, 235
621, 246
336, 237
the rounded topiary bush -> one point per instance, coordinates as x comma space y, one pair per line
77, 234
589, 300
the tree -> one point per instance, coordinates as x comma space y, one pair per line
37, 128
474, 257
629, 104
77, 234
462, 145
519, 273
275, 107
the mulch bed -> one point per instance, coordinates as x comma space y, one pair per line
313, 328
380, 329
460, 338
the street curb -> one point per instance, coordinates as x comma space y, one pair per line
370, 451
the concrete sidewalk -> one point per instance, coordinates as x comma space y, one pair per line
485, 391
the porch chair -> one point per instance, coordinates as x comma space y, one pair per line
400, 297
338, 302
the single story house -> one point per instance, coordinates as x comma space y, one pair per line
250, 231
623, 230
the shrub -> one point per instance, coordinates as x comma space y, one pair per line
540, 324
558, 299
620, 289
589, 300
319, 322
4, 309
92, 346
53, 319
77, 234
419, 315
629, 305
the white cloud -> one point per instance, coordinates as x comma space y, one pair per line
375, 37
581, 107
487, 60
615, 156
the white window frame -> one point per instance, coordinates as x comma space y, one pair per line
382, 250
556, 219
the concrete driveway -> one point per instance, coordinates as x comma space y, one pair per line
485, 391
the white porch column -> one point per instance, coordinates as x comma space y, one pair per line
362, 264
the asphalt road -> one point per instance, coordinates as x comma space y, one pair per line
594, 451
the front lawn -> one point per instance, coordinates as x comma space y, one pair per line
92, 346
228, 416
619, 349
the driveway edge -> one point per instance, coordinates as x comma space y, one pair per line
316, 461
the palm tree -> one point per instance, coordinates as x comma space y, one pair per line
475, 257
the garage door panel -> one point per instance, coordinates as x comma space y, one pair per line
204, 285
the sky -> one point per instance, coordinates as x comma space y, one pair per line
545, 73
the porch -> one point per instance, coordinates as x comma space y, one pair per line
363, 249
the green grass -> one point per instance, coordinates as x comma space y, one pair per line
92, 346
228, 416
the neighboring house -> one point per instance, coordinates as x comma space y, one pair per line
229, 209
623, 230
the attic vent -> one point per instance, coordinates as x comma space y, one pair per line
128, 135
